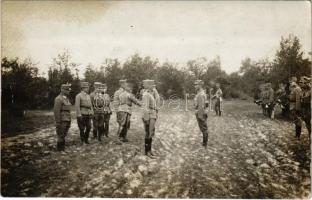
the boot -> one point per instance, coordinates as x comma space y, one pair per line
150, 147
82, 137
95, 135
63, 146
146, 146
58, 146
298, 132
149, 152
205, 140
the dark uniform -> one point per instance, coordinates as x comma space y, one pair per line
84, 112
126, 99
149, 114
295, 106
305, 84
95, 118
201, 112
62, 115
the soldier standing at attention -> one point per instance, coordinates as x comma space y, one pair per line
201, 110
62, 115
295, 106
305, 84
97, 112
106, 108
126, 98
149, 115
84, 112
116, 102
218, 96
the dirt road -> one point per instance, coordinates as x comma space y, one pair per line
248, 156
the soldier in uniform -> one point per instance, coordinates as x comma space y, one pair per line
116, 101
106, 108
126, 99
305, 84
84, 111
97, 112
149, 115
295, 106
62, 115
218, 96
201, 112
156, 96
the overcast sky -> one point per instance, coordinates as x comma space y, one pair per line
175, 31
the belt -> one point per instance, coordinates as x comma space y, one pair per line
86, 107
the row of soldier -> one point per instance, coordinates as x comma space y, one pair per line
294, 99
96, 107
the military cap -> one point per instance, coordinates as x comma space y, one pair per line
66, 86
305, 79
293, 79
97, 84
199, 82
103, 85
84, 84
148, 82
122, 81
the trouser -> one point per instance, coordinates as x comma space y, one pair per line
124, 124
149, 127
84, 124
98, 125
106, 124
61, 131
297, 121
306, 117
218, 107
203, 126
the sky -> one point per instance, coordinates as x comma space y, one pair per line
175, 31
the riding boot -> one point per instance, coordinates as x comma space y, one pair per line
63, 146
146, 146
86, 138
298, 131
150, 147
95, 134
58, 146
82, 138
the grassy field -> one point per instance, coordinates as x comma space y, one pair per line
248, 156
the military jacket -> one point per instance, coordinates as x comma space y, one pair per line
116, 98
295, 98
100, 102
125, 102
149, 106
83, 104
157, 98
62, 109
199, 104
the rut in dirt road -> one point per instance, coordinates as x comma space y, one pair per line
248, 156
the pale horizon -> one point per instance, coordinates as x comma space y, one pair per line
175, 31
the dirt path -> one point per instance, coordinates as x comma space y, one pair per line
248, 156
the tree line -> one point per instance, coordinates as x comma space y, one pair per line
23, 88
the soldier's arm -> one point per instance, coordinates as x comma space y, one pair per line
298, 96
134, 100
57, 110
77, 105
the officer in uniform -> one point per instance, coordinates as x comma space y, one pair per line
84, 111
218, 96
106, 109
295, 106
62, 115
97, 112
305, 84
149, 115
116, 101
126, 98
201, 112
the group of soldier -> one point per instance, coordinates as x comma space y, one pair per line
97, 107
296, 99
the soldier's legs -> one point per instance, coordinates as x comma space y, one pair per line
81, 125
298, 123
307, 121
106, 124
62, 131
100, 126
88, 128
120, 121
203, 126
152, 133
147, 136
95, 125
126, 127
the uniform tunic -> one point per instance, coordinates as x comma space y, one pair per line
83, 104
201, 114
62, 116
149, 113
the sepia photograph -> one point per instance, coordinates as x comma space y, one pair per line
156, 99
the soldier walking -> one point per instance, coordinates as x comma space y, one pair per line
84, 111
305, 84
97, 110
201, 112
62, 115
149, 115
295, 106
126, 99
